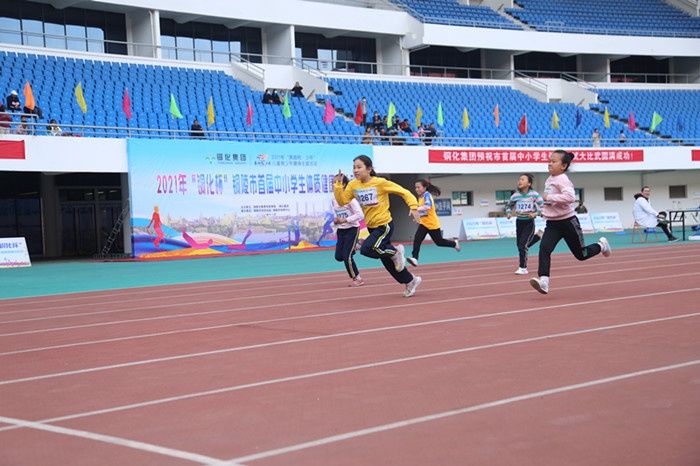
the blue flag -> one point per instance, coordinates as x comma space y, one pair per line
680, 127
579, 117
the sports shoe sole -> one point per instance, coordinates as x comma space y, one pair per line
412, 261
418, 280
606, 250
535, 283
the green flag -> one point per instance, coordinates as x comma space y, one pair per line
390, 115
655, 121
286, 111
174, 111
440, 118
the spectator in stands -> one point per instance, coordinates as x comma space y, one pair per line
276, 98
595, 138
196, 130
296, 90
622, 137
13, 104
647, 217
267, 97
376, 121
405, 127
580, 208
363, 103
36, 114
429, 134
367, 137
5, 120
23, 127
53, 128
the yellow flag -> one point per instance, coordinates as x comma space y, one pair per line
419, 115
555, 120
606, 118
80, 98
210, 112
465, 119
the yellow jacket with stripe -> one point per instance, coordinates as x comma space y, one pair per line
373, 196
426, 209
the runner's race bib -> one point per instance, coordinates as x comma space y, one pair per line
367, 196
342, 212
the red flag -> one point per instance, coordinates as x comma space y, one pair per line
496, 116
359, 118
631, 124
328, 113
522, 126
249, 115
126, 104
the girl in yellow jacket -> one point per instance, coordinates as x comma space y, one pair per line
429, 224
372, 192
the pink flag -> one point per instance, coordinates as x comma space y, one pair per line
328, 113
126, 104
631, 123
249, 115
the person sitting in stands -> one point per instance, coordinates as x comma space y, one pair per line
5, 120
581, 209
376, 120
647, 217
196, 130
276, 99
36, 113
267, 97
405, 127
622, 137
429, 133
23, 127
13, 104
53, 128
367, 137
296, 90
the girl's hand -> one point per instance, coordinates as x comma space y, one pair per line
339, 220
416, 216
545, 197
339, 177
532, 214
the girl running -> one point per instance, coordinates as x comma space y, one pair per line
561, 221
372, 192
429, 224
347, 220
526, 204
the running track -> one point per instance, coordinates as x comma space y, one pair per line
477, 368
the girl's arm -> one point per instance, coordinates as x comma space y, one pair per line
342, 195
539, 202
356, 210
428, 203
566, 194
393, 188
646, 207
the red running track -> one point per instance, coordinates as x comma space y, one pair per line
477, 368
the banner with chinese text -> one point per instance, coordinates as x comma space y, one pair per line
192, 198
530, 156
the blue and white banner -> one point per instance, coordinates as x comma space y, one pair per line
14, 253
506, 227
586, 223
479, 228
211, 197
606, 222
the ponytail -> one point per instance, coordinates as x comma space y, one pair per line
431, 188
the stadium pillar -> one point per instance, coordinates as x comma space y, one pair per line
278, 44
685, 70
143, 33
392, 57
497, 64
593, 68
50, 216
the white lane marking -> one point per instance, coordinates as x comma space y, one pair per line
112, 440
357, 367
314, 338
457, 412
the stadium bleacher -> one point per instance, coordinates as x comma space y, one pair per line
453, 13
626, 17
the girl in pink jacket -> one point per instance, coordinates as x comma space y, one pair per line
562, 222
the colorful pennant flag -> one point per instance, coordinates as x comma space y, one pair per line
126, 104
174, 111
606, 118
465, 119
497, 116
390, 115
440, 117
419, 116
555, 120
680, 126
286, 111
211, 117
328, 113
522, 126
359, 114
631, 124
579, 117
655, 121
249, 115
29, 97
80, 98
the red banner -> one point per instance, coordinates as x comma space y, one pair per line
529, 156
12, 150
696, 155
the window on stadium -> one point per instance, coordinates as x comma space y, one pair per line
678, 192
462, 198
612, 194
503, 196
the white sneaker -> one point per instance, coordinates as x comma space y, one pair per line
539, 233
412, 261
521, 271
457, 246
604, 247
412, 286
540, 284
399, 258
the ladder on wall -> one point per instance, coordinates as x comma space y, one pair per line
109, 242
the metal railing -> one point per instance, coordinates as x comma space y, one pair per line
33, 128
